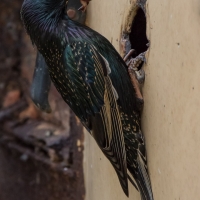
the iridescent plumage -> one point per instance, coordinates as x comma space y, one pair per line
93, 80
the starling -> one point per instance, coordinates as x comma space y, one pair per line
94, 81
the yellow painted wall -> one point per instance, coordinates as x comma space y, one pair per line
171, 119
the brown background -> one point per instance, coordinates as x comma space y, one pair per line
171, 116
40, 154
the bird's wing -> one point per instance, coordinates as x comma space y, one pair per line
85, 73
94, 101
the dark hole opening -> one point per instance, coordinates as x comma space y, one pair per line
138, 36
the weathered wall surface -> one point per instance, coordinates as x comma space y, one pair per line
170, 118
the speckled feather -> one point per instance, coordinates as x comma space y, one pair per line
93, 79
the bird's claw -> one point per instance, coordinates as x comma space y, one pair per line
126, 57
136, 73
134, 63
140, 75
134, 67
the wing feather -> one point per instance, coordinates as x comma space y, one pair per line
90, 87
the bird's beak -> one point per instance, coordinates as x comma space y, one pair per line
84, 5
81, 8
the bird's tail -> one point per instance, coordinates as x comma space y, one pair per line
142, 179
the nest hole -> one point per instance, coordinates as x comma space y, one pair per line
138, 36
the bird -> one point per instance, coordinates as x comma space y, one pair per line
41, 81
93, 80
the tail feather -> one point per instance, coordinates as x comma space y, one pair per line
142, 179
133, 183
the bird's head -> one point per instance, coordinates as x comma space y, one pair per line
41, 16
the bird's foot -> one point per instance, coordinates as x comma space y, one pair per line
134, 65
128, 55
84, 5
136, 73
140, 75
136, 85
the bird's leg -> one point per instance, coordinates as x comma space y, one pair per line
135, 83
136, 75
134, 65
84, 5
127, 56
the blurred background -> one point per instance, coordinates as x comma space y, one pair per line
40, 154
